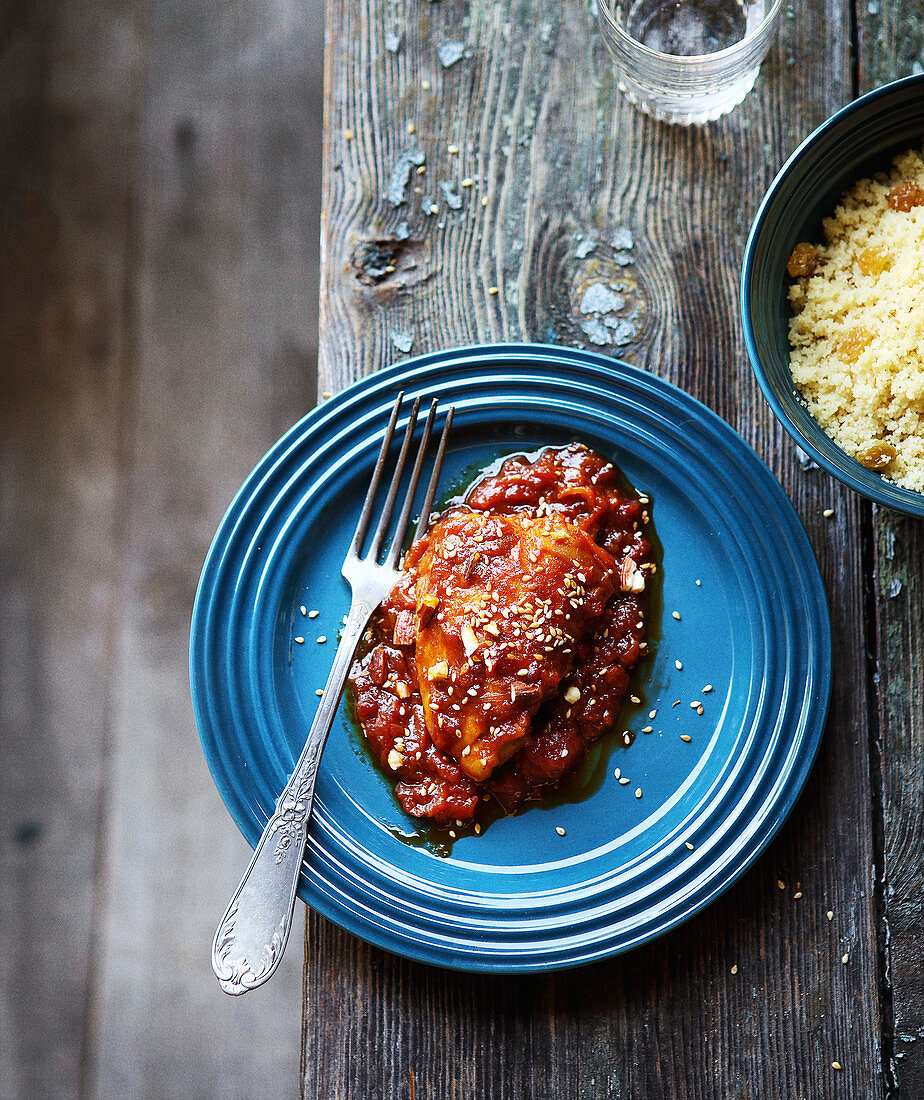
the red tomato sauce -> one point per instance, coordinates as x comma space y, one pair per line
508, 644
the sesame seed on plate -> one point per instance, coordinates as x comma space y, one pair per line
303, 609
685, 737
559, 830
676, 615
322, 638
319, 691
313, 614
678, 665
300, 640
638, 792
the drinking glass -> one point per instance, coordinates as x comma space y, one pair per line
688, 61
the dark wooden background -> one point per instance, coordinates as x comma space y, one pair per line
159, 195
158, 292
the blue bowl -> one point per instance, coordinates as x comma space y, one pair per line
858, 141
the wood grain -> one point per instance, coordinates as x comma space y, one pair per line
158, 293
891, 40
562, 160
64, 198
223, 365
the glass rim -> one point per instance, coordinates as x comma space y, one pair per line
604, 12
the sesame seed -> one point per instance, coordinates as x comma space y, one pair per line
421, 169
685, 737
623, 781
300, 640
559, 830
690, 845
452, 832
452, 150
835, 1065
313, 614
411, 127
828, 513
830, 914
484, 200
319, 691
734, 969
617, 773
781, 884
676, 615
696, 703
845, 958
322, 638
797, 894
699, 709
634, 699
707, 689
303, 609
678, 665
647, 729
492, 290
467, 182
425, 84
652, 713
348, 135
477, 829
638, 792
699, 584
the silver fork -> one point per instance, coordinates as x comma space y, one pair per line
252, 934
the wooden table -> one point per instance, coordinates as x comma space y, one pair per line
751, 998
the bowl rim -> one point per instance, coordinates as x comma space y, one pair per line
886, 493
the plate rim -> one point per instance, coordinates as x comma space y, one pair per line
773, 811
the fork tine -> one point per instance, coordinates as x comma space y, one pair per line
435, 476
401, 529
363, 523
379, 537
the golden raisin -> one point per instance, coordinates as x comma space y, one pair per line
853, 344
802, 261
873, 261
878, 456
905, 195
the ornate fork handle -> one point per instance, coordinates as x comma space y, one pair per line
252, 935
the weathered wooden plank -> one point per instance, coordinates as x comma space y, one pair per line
561, 160
66, 74
222, 312
891, 38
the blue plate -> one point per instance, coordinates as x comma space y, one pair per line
753, 624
